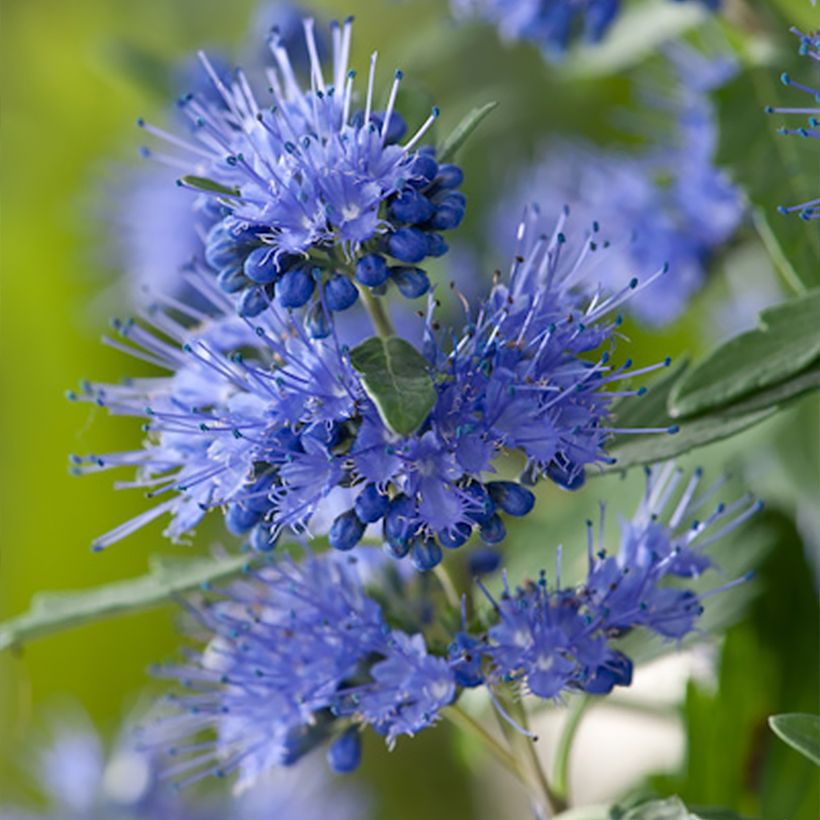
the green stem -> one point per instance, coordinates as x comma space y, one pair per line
560, 778
448, 586
458, 717
378, 315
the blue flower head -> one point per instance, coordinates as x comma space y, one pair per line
309, 189
809, 47
277, 429
288, 667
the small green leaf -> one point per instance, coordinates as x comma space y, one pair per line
394, 375
671, 809
55, 611
458, 136
209, 185
787, 342
801, 732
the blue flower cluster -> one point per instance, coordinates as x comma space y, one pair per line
552, 25
304, 190
809, 47
669, 203
276, 427
288, 667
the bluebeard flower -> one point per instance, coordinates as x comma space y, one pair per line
288, 666
668, 204
550, 24
268, 423
552, 639
809, 47
307, 189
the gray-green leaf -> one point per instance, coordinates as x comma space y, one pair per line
458, 136
209, 185
394, 375
670, 809
801, 732
53, 611
787, 342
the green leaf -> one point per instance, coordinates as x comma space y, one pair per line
670, 809
394, 375
458, 136
209, 185
787, 342
55, 611
801, 732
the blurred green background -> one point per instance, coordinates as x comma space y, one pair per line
75, 76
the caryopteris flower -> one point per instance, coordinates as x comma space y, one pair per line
552, 25
809, 47
309, 188
673, 205
289, 666
277, 428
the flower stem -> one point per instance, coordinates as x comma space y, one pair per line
447, 585
378, 315
464, 721
560, 778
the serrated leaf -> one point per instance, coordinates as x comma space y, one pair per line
801, 732
787, 342
209, 185
394, 375
458, 136
54, 611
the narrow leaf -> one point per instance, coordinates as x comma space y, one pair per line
209, 185
787, 342
395, 377
801, 732
55, 611
458, 136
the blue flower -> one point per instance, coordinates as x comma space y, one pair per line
809, 47
550, 640
550, 24
288, 666
673, 205
308, 175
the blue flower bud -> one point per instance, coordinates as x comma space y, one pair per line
294, 288
318, 322
221, 249
231, 279
484, 509
436, 246
261, 540
483, 561
258, 493
371, 505
456, 537
449, 176
371, 270
494, 531
617, 671
408, 245
426, 555
340, 293
346, 531
411, 282
240, 519
449, 211
570, 478
345, 753
252, 303
411, 207
398, 526
260, 266
424, 168
464, 654
397, 550
511, 497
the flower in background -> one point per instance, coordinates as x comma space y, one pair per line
303, 188
668, 204
275, 426
288, 667
809, 47
552, 25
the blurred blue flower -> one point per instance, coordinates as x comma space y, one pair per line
669, 204
552, 25
809, 47
288, 666
309, 175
